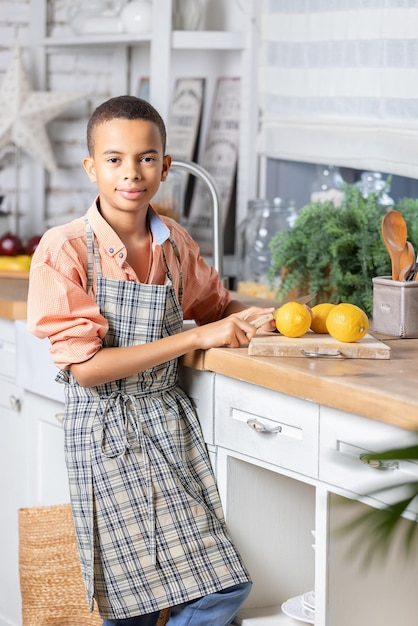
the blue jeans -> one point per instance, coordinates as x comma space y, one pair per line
216, 609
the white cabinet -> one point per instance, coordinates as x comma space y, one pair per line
48, 482
13, 477
199, 386
32, 468
290, 477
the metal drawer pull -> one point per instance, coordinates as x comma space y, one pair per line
15, 403
262, 428
59, 417
378, 463
319, 355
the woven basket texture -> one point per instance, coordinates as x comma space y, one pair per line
51, 584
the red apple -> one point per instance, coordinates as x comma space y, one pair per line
10, 245
32, 244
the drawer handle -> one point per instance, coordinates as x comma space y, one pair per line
59, 417
262, 428
378, 463
320, 355
15, 403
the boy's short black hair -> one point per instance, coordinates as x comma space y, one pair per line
128, 108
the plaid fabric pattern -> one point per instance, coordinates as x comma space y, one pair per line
148, 518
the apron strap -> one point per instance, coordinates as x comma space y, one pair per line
177, 254
92, 257
93, 260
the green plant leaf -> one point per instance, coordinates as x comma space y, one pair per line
336, 252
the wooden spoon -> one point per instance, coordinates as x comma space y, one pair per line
394, 233
406, 261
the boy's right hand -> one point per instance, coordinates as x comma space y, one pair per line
233, 331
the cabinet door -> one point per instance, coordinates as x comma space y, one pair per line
13, 477
48, 482
199, 386
381, 591
13, 488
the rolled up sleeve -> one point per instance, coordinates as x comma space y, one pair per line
60, 308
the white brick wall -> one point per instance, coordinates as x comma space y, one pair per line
89, 71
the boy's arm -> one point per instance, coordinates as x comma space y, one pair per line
110, 364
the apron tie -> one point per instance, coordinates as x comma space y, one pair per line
122, 431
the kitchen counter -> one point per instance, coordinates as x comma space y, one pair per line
384, 390
13, 296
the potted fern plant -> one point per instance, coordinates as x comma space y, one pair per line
337, 251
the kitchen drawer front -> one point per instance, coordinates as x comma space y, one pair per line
7, 349
267, 425
199, 386
345, 437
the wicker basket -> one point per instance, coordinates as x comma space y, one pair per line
51, 583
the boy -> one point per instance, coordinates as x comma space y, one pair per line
110, 290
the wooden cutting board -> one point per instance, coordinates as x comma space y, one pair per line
315, 345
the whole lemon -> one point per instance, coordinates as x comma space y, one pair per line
293, 319
320, 313
347, 322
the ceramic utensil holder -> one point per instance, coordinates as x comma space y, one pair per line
395, 307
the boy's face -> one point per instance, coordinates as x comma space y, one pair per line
128, 164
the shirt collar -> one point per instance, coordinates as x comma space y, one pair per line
159, 230
110, 240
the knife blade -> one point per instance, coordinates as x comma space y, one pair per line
269, 316
305, 299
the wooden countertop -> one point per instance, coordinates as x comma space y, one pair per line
385, 390
13, 296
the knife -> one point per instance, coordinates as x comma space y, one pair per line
269, 316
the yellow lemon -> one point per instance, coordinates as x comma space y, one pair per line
347, 322
320, 313
17, 263
293, 319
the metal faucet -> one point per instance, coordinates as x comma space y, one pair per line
217, 232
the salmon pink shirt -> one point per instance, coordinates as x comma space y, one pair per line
59, 306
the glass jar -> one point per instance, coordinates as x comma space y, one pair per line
327, 186
263, 221
372, 182
187, 14
291, 214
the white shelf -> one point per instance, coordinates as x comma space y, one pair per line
271, 616
181, 40
93, 39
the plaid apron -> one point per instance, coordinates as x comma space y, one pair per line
148, 517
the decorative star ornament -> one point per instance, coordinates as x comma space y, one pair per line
24, 113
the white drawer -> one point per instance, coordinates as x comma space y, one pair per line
7, 359
199, 385
345, 437
267, 425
